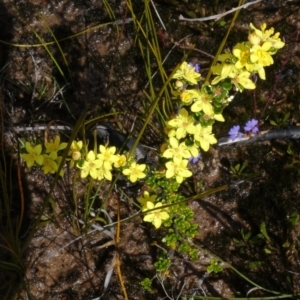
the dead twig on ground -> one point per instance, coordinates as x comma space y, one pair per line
217, 17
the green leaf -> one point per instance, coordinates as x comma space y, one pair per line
286, 117
236, 241
237, 167
45, 218
207, 89
232, 169
286, 244
244, 165
255, 264
273, 123
267, 251
263, 230
227, 85
256, 239
294, 218
290, 150
246, 236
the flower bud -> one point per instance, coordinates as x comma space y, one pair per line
179, 84
254, 39
76, 155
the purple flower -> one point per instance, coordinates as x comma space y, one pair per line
195, 159
196, 66
251, 126
234, 132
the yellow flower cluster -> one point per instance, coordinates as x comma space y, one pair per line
48, 159
100, 165
187, 74
157, 216
97, 165
181, 126
248, 58
184, 126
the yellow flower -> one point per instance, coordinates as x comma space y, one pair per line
33, 155
179, 85
135, 171
222, 71
104, 172
254, 39
258, 37
156, 216
90, 166
242, 53
194, 150
276, 42
146, 198
54, 146
49, 164
121, 161
187, 73
241, 79
184, 124
205, 137
188, 96
75, 152
75, 149
260, 55
171, 132
178, 168
238, 77
261, 73
107, 154
176, 149
203, 103
218, 117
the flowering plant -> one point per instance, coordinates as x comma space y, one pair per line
98, 165
189, 133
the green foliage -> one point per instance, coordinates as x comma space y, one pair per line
222, 23
264, 232
146, 284
294, 153
293, 219
214, 267
163, 264
248, 240
255, 264
281, 120
237, 170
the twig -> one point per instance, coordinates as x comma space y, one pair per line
194, 49
160, 20
291, 132
216, 17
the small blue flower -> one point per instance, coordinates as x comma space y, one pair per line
251, 126
194, 160
196, 66
234, 132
